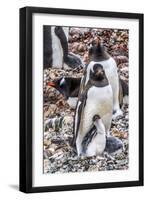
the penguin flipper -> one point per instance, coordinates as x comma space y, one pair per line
78, 114
125, 90
88, 138
63, 39
47, 47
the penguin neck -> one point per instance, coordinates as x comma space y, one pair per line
99, 83
99, 56
74, 86
100, 128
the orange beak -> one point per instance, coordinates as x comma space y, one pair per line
51, 84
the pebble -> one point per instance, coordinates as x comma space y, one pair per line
109, 167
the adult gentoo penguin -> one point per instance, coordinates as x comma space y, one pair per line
94, 141
98, 55
69, 87
95, 99
55, 49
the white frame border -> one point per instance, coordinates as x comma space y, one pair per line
132, 174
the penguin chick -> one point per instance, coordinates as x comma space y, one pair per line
113, 144
96, 99
69, 88
94, 141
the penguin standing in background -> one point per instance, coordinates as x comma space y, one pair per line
69, 87
96, 99
98, 55
55, 49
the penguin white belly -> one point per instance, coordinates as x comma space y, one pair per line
66, 31
57, 52
97, 145
110, 68
111, 72
99, 102
126, 99
72, 101
57, 55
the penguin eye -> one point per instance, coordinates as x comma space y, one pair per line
62, 85
62, 82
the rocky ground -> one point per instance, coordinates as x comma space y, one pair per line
58, 154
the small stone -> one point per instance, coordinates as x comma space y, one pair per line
109, 167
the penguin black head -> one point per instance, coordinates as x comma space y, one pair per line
96, 49
97, 52
95, 118
68, 86
61, 85
97, 122
97, 73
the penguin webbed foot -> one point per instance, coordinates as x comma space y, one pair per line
108, 156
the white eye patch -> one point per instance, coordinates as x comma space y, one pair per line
62, 81
89, 68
